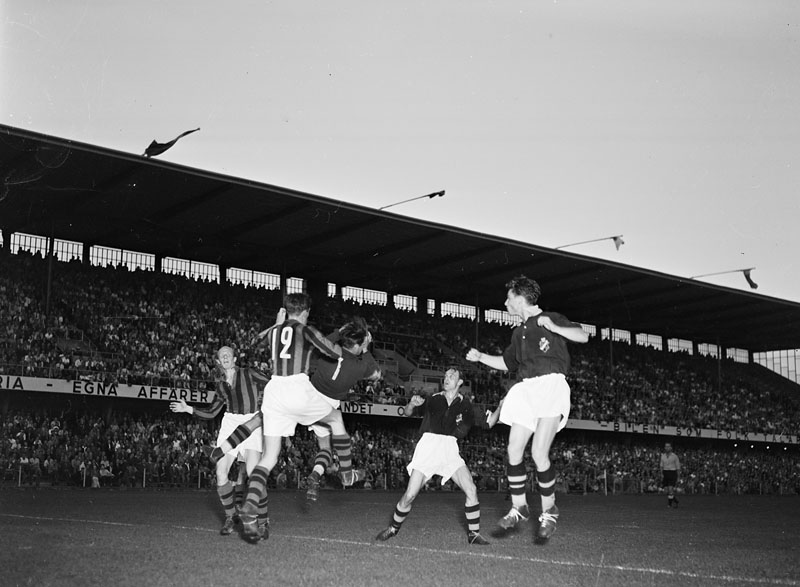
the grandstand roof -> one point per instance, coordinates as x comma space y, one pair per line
79, 192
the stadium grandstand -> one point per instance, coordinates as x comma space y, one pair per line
121, 275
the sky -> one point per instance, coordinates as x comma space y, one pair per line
675, 124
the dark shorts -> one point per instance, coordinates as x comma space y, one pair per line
670, 479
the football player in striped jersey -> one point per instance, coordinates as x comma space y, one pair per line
239, 392
289, 397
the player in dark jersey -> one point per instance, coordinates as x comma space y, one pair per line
448, 416
239, 392
540, 400
335, 380
289, 398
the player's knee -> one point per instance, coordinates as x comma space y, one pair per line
407, 499
252, 457
515, 455
543, 465
336, 420
223, 468
541, 460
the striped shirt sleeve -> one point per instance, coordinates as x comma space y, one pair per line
215, 407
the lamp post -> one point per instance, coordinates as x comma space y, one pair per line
618, 242
746, 272
433, 195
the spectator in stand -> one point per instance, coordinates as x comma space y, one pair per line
133, 328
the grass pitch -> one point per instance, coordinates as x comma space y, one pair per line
66, 537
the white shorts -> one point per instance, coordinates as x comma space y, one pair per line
528, 400
436, 454
229, 423
289, 401
321, 430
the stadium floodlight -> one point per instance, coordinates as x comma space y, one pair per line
746, 272
618, 242
438, 194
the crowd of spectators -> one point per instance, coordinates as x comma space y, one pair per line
142, 327
121, 326
89, 450
110, 324
126, 450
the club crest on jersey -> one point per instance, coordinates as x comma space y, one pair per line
544, 344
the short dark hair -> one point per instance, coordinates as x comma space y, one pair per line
354, 332
525, 286
295, 303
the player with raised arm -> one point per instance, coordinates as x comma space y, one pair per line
448, 416
289, 398
538, 404
335, 380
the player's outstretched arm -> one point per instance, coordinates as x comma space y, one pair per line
181, 406
493, 361
325, 346
572, 333
280, 318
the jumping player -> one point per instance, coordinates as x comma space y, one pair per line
540, 400
448, 416
289, 398
239, 392
334, 380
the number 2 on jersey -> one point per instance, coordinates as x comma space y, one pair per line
286, 342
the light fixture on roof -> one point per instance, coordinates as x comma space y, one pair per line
438, 194
618, 242
746, 272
